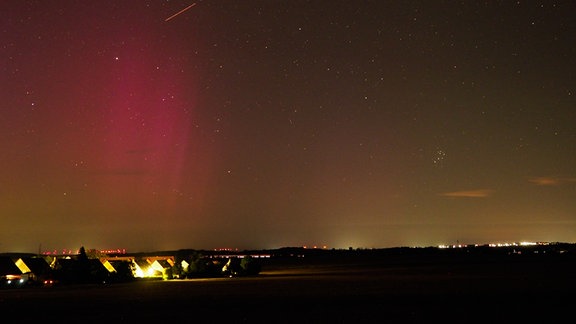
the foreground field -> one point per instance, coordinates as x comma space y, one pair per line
325, 291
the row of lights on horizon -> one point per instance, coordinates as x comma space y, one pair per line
75, 252
456, 246
123, 251
324, 247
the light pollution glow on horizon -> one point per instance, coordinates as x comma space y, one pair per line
165, 125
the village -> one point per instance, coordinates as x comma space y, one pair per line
29, 270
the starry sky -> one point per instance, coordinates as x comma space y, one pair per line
264, 124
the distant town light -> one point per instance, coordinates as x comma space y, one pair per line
498, 244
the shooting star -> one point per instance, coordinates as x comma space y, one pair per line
181, 11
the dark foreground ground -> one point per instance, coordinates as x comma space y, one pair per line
321, 291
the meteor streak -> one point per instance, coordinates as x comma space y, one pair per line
181, 11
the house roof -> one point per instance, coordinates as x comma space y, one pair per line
8, 267
93, 264
160, 265
33, 264
142, 264
164, 263
115, 263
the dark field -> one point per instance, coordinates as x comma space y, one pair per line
301, 290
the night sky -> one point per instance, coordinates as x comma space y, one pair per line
264, 124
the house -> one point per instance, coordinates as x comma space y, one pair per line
163, 267
81, 271
143, 269
36, 268
10, 274
123, 270
108, 265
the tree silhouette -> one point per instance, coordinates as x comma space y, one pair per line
197, 265
83, 266
249, 266
82, 256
